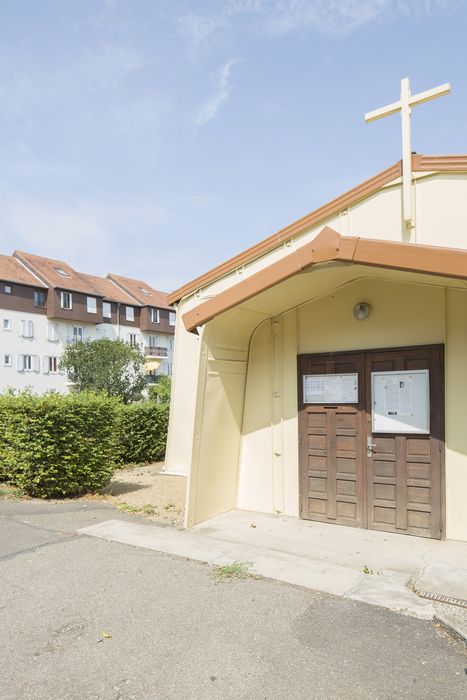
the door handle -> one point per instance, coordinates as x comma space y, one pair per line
370, 446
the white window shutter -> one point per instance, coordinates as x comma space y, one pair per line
30, 329
36, 363
45, 364
51, 332
20, 363
23, 328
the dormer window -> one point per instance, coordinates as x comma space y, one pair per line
91, 305
66, 300
129, 313
155, 315
144, 291
61, 272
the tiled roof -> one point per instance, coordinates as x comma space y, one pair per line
141, 291
58, 274
11, 270
48, 270
108, 290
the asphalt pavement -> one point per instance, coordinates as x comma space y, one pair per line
82, 617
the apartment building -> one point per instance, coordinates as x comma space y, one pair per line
45, 304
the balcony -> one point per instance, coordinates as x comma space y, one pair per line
155, 352
74, 339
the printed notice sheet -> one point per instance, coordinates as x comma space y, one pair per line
400, 401
398, 395
330, 388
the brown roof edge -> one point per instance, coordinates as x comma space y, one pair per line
125, 288
330, 246
31, 268
449, 163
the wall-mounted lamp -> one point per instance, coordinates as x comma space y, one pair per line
362, 311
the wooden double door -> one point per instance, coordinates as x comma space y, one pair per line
350, 475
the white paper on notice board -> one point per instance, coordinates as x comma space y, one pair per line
401, 402
330, 388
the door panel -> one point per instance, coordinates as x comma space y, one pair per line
404, 473
332, 488
398, 487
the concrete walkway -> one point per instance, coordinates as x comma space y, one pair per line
373, 567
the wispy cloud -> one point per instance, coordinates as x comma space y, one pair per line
277, 17
211, 108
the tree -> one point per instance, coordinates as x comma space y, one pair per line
160, 392
112, 366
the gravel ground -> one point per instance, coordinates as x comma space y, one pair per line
158, 496
144, 490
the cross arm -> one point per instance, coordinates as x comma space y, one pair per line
383, 111
428, 95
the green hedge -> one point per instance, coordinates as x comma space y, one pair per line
143, 432
55, 445
65, 445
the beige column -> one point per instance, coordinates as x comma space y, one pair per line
456, 414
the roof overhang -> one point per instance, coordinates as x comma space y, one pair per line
330, 247
424, 164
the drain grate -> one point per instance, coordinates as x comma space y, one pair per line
441, 598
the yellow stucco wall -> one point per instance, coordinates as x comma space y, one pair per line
403, 314
456, 414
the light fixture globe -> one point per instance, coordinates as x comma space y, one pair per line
362, 311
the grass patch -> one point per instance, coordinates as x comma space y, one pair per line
11, 493
370, 572
147, 509
238, 569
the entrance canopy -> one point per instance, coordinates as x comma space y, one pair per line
327, 249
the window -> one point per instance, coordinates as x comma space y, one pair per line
155, 315
28, 363
52, 332
61, 272
107, 309
66, 300
7, 289
91, 303
39, 297
170, 343
6, 324
129, 313
78, 333
172, 318
144, 291
27, 329
7, 360
132, 338
49, 364
153, 341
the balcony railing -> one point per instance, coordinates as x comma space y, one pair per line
150, 351
74, 339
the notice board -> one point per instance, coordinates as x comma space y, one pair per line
330, 388
401, 402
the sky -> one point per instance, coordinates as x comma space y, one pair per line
157, 138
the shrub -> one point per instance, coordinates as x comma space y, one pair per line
160, 391
55, 445
143, 432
